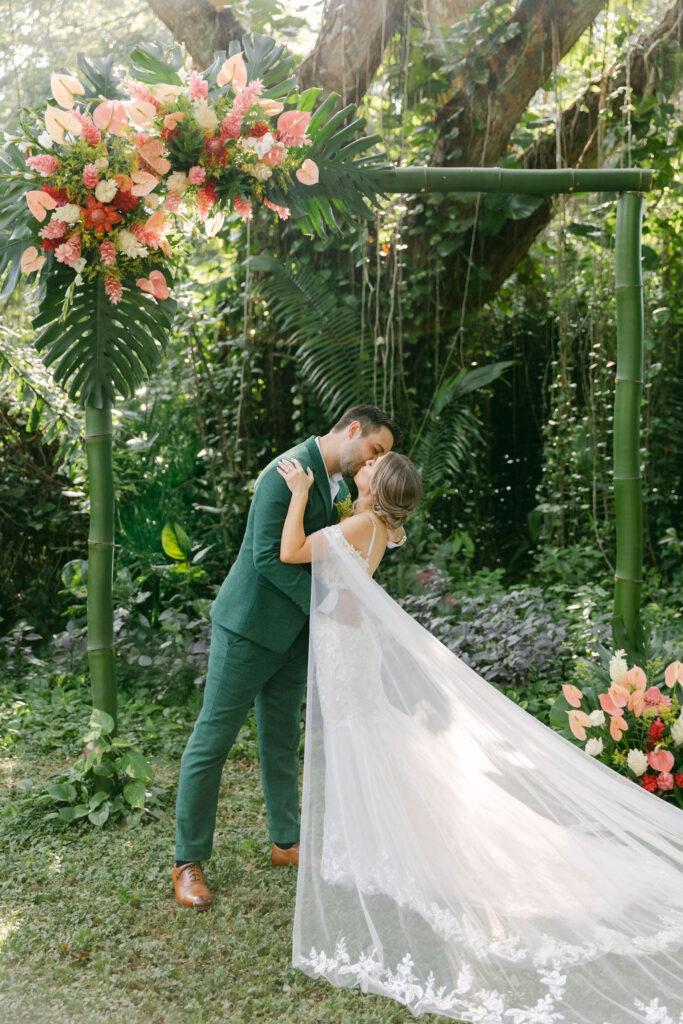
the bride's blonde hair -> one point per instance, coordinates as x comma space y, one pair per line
398, 488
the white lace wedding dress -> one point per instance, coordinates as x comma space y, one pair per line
461, 857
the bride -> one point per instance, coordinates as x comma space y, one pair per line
457, 855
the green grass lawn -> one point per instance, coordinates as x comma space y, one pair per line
89, 928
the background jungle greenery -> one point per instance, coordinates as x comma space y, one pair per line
505, 396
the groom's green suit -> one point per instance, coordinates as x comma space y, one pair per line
259, 655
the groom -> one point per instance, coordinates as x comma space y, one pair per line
259, 651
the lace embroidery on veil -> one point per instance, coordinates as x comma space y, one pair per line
457, 855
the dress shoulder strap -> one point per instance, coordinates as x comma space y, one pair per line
372, 539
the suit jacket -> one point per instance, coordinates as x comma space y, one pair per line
262, 598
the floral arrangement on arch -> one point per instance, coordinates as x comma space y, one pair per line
108, 179
635, 728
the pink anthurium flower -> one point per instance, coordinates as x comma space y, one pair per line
155, 284
661, 760
674, 673
617, 727
141, 112
578, 721
64, 88
271, 107
273, 158
293, 124
636, 703
608, 705
572, 695
143, 183
173, 119
233, 71
31, 260
59, 121
635, 679
110, 116
151, 154
39, 203
308, 173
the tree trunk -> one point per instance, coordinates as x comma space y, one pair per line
203, 26
498, 80
499, 254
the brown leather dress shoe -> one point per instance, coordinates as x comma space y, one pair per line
190, 887
279, 858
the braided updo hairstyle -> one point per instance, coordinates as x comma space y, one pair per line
398, 488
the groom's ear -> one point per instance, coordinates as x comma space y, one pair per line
354, 428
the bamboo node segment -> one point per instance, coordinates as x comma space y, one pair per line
626, 477
106, 647
629, 380
92, 437
626, 579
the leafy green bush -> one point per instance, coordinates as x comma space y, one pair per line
108, 781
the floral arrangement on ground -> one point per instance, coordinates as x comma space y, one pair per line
634, 728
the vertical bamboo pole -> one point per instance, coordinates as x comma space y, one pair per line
629, 387
98, 441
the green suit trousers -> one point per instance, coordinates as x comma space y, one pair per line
240, 673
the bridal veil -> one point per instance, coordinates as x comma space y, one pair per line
461, 857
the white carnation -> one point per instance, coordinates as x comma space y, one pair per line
637, 762
79, 265
101, 163
261, 172
262, 145
127, 243
69, 213
597, 717
106, 190
677, 731
618, 666
152, 201
205, 117
45, 140
177, 182
593, 747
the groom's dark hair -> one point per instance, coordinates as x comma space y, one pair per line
370, 418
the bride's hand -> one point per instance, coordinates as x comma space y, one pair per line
298, 479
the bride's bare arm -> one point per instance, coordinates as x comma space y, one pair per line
295, 546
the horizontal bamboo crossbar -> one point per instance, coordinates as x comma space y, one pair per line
512, 180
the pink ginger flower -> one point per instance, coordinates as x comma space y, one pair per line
205, 198
70, 251
173, 201
139, 91
196, 175
247, 98
44, 164
113, 289
231, 125
55, 229
90, 133
282, 211
665, 780
91, 176
108, 253
198, 88
243, 207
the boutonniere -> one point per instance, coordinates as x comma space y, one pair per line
343, 508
